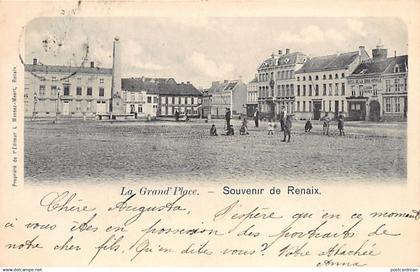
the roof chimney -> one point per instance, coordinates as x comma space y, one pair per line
287, 51
361, 48
34, 61
92, 64
280, 52
395, 53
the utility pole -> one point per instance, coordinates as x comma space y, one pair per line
57, 105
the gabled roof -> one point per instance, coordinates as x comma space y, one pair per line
254, 80
219, 86
160, 87
382, 66
328, 63
66, 69
286, 59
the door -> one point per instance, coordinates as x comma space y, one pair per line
317, 110
66, 107
374, 111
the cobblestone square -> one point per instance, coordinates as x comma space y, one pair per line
138, 151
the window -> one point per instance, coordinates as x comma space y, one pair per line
336, 75
336, 89
304, 90
283, 90
66, 90
316, 77
78, 90
397, 104
303, 78
173, 100
304, 106
149, 99
323, 105
396, 68
353, 90
140, 109
397, 86
287, 90
405, 84
54, 78
101, 80
374, 90
316, 90
310, 90
41, 90
343, 88
298, 106
329, 105
292, 92
79, 79
298, 78
89, 91
101, 92
342, 105
360, 90
54, 90
298, 90
330, 89
78, 106
342, 75
387, 104
310, 106
155, 99
185, 100
324, 77
387, 86
324, 89
330, 76
309, 77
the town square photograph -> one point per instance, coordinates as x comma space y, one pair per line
210, 99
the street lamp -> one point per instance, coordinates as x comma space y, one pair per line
57, 107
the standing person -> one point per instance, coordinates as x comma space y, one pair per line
287, 128
176, 115
270, 127
326, 125
256, 117
341, 124
227, 117
282, 116
308, 125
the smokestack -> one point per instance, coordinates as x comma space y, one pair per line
92, 64
287, 51
395, 53
34, 61
116, 67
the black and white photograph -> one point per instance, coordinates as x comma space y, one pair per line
213, 99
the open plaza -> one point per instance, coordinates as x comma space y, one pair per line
99, 151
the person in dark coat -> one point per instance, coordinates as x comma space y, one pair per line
287, 128
257, 117
176, 115
227, 117
308, 125
282, 116
213, 131
341, 124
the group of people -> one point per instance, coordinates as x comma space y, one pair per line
285, 125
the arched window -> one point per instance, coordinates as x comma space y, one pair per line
316, 77
330, 76
336, 75
324, 77
342, 75
396, 68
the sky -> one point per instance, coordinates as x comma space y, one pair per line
202, 49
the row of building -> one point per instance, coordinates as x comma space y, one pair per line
53, 90
353, 84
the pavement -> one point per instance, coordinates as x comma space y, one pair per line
95, 151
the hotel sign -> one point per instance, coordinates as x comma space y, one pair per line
364, 80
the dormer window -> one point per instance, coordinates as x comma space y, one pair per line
396, 68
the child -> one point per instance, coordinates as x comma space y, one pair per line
326, 125
244, 128
270, 127
308, 125
230, 131
213, 131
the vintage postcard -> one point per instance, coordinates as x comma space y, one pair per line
275, 134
